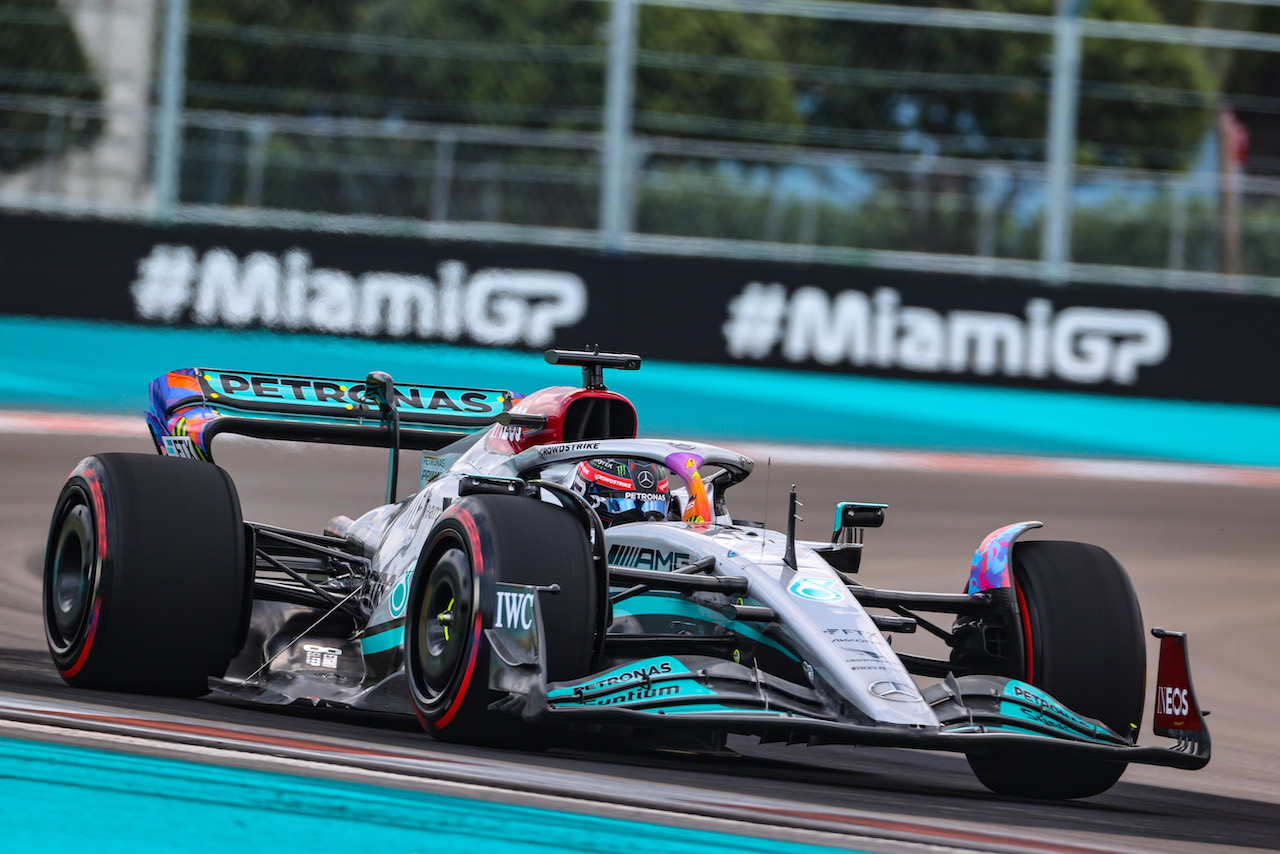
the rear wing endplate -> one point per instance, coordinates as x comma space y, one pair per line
189, 406
1178, 714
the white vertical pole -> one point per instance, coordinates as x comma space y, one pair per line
442, 179
1063, 101
173, 73
619, 90
1176, 190
256, 161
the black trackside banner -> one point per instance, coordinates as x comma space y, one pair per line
1112, 340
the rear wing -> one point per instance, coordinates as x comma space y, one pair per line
190, 406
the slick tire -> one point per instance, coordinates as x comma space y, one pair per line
146, 579
1081, 630
482, 540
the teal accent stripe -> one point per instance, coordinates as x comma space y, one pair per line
676, 606
382, 641
704, 708
63, 798
106, 367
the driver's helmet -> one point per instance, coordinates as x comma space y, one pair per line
624, 490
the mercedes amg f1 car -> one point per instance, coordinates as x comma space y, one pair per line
495, 605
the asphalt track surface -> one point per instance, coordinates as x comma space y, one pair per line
1203, 558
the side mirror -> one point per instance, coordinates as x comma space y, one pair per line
852, 517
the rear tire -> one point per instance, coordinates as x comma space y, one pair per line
146, 581
1083, 644
480, 541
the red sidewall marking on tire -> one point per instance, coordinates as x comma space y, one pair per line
99, 509
88, 644
1026, 631
477, 562
100, 518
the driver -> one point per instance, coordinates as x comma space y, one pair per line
624, 490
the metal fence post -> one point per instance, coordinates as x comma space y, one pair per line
256, 162
442, 177
616, 163
1055, 245
173, 73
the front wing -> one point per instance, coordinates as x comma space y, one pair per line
975, 713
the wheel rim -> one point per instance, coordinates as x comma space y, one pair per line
71, 578
441, 636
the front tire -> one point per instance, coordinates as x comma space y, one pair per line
145, 577
1082, 643
480, 541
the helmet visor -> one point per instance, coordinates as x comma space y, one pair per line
631, 510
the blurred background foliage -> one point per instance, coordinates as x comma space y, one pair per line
48, 93
709, 74
789, 130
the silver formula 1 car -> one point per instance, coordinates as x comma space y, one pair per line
496, 605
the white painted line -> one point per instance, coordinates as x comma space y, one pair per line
514, 782
1077, 467
71, 424
75, 424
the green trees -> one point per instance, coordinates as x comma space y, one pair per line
1144, 104
541, 63
985, 93
533, 63
721, 68
47, 89
269, 57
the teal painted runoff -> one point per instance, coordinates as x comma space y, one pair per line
62, 798
105, 367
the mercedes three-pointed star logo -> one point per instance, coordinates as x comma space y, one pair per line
895, 691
